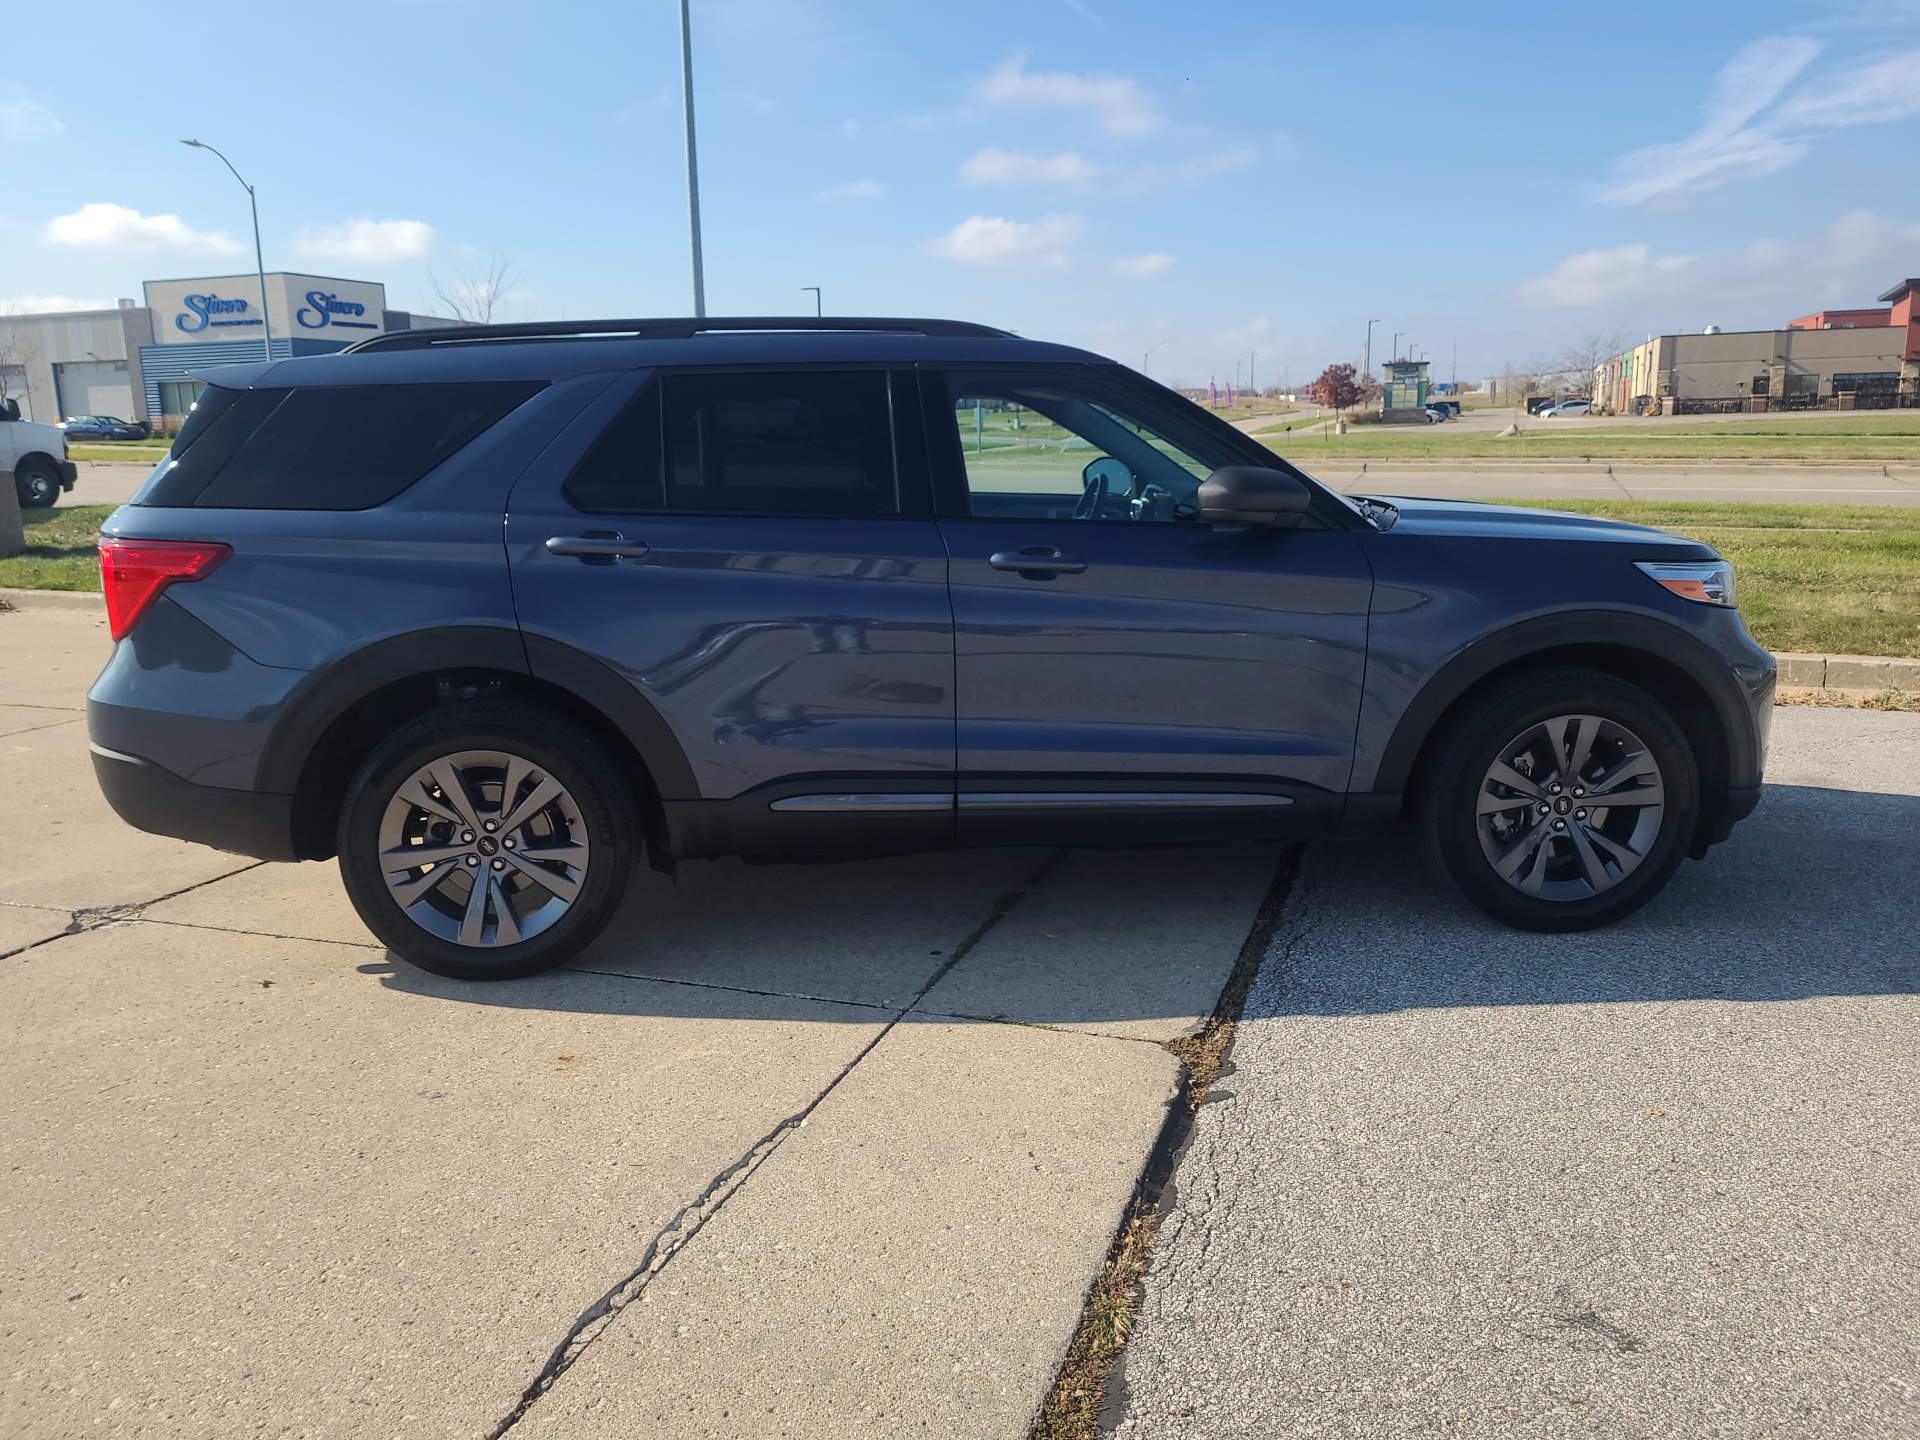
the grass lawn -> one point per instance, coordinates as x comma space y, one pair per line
1883, 435
1832, 579
61, 552
1835, 579
145, 452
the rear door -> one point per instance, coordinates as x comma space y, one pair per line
753, 551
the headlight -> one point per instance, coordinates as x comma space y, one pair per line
1707, 582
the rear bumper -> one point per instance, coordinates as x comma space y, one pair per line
150, 797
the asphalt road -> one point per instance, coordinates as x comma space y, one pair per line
1658, 1180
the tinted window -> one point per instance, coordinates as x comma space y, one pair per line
810, 443
620, 475
345, 447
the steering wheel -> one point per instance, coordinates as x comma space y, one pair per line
1091, 499
1102, 478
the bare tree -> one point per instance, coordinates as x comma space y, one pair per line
476, 297
1574, 368
13, 351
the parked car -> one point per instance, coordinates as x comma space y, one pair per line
1566, 409
102, 427
37, 456
1436, 414
812, 589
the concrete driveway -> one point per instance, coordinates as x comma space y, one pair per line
810, 1151
1659, 1180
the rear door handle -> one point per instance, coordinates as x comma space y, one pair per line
1037, 560
605, 545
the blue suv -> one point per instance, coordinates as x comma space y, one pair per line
492, 614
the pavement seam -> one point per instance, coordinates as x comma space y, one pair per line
678, 1233
1088, 1395
36, 729
97, 917
261, 934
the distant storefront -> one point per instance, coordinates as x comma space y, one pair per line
138, 361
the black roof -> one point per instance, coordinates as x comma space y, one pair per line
668, 329
1905, 285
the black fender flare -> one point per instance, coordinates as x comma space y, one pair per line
329, 693
1542, 636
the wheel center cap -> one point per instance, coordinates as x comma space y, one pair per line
488, 845
1563, 805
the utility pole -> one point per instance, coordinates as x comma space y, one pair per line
1366, 362
1396, 343
1253, 386
693, 161
816, 298
259, 260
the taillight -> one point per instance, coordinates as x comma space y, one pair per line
134, 572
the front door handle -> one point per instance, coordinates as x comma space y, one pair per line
1037, 560
603, 546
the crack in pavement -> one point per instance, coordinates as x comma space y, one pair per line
96, 917
677, 1233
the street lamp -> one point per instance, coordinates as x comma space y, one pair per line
1396, 343
1367, 354
1149, 355
259, 260
816, 298
693, 162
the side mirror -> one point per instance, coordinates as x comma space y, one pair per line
12, 410
1253, 495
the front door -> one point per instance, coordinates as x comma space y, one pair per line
747, 550
1115, 656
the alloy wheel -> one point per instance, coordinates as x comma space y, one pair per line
483, 848
1570, 807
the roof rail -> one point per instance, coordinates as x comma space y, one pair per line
661, 330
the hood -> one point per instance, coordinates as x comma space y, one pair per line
1521, 522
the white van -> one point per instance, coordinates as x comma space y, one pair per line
37, 456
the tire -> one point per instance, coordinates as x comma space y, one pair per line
586, 834
38, 483
1543, 861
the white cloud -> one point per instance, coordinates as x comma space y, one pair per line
991, 240
856, 190
1725, 143
1873, 94
1005, 167
367, 241
1600, 277
25, 119
48, 305
1114, 100
1071, 169
1153, 263
115, 227
1761, 287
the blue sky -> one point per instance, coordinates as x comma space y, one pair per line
1215, 182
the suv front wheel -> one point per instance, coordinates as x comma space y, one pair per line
488, 840
1563, 800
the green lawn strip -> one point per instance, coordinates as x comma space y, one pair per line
1819, 579
1896, 436
61, 550
132, 450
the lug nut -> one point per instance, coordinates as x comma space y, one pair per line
499, 864
508, 842
1578, 791
1553, 789
466, 837
490, 825
473, 859
1579, 814
1545, 808
1559, 824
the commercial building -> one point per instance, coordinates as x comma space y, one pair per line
137, 361
1832, 359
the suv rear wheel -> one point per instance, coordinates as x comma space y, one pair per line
38, 483
488, 840
1563, 800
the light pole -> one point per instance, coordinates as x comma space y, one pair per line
1367, 353
1396, 343
1149, 355
693, 162
816, 298
1253, 387
259, 259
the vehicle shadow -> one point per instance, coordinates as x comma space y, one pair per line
1815, 895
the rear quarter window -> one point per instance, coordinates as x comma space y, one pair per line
343, 447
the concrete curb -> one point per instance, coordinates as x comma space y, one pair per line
54, 599
1848, 672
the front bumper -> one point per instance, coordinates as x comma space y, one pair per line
150, 797
69, 472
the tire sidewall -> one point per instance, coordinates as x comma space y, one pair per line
1451, 827
38, 487
570, 754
